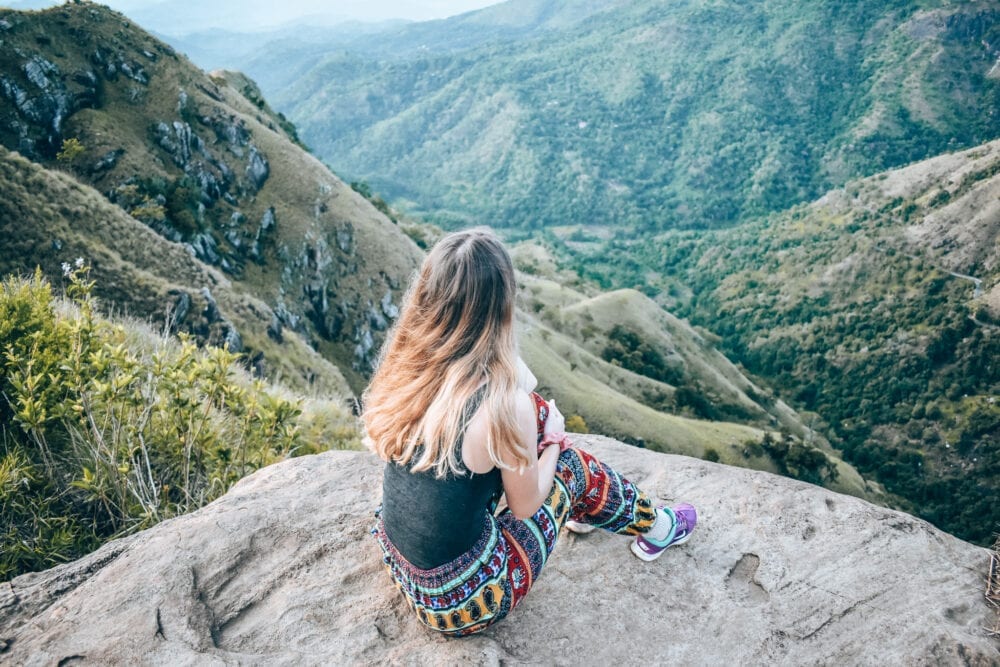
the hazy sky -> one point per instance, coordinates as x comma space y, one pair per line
263, 12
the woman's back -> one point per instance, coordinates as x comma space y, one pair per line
433, 520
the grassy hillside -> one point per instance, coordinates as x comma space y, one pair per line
877, 307
645, 115
203, 161
48, 218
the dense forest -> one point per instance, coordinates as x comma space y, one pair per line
643, 116
890, 351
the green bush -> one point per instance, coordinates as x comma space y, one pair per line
799, 460
576, 424
110, 428
71, 149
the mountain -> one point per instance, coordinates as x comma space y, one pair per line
669, 148
219, 48
190, 196
179, 17
877, 307
47, 218
280, 56
203, 161
777, 572
642, 116
199, 212
397, 41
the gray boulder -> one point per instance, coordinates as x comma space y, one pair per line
204, 247
107, 161
258, 168
282, 570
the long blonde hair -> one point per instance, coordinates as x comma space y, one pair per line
454, 335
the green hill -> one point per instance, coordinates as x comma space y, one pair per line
643, 115
877, 307
202, 161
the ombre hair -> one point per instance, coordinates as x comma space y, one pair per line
454, 336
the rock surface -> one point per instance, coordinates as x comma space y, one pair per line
282, 570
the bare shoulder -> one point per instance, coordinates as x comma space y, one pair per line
525, 378
474, 453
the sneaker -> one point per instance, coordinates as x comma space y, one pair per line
579, 528
685, 517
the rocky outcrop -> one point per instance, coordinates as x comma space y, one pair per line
39, 103
206, 163
282, 570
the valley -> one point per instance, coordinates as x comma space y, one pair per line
812, 185
198, 213
863, 308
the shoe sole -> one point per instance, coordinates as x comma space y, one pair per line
648, 557
579, 528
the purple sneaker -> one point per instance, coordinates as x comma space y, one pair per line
684, 516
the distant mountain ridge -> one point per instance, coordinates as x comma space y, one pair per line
645, 115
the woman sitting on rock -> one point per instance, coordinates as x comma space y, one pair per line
450, 412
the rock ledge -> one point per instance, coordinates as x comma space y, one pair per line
281, 570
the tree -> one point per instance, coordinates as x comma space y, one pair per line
71, 149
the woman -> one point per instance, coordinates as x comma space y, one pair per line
450, 412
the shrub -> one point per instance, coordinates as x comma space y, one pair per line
112, 429
71, 149
628, 348
149, 212
576, 424
799, 460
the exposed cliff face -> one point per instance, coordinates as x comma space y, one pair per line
282, 570
203, 161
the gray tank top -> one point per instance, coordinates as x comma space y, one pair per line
433, 521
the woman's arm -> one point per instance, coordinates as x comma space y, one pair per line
529, 486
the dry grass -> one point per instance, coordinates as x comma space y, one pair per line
138, 272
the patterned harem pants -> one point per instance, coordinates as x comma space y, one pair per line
483, 585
